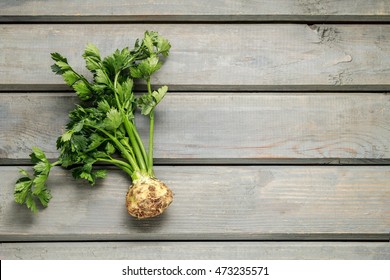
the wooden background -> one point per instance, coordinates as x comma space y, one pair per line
275, 136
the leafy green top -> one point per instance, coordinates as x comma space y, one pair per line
102, 127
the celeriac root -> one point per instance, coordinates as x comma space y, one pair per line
148, 197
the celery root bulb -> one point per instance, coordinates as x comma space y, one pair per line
148, 197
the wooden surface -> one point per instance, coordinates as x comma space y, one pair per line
236, 203
197, 250
236, 57
263, 96
201, 10
198, 128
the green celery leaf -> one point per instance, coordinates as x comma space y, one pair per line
86, 172
38, 153
113, 120
92, 64
58, 69
70, 77
42, 167
149, 66
39, 183
87, 167
110, 149
146, 68
153, 39
44, 197
30, 202
102, 78
63, 65
23, 193
125, 90
117, 61
82, 90
104, 106
67, 136
159, 94
96, 141
92, 57
68, 158
22, 188
78, 127
99, 88
136, 73
91, 50
101, 173
163, 46
122, 59
147, 102
100, 154
148, 42
76, 172
79, 143
58, 57
24, 172
87, 176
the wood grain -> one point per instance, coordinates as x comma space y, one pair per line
196, 250
212, 203
205, 57
225, 127
257, 65
201, 10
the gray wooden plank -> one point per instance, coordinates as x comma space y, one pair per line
197, 250
212, 203
201, 10
223, 128
212, 56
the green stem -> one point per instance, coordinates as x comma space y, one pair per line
140, 143
125, 144
149, 86
125, 153
116, 92
58, 162
121, 164
150, 150
134, 144
151, 134
128, 126
123, 150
